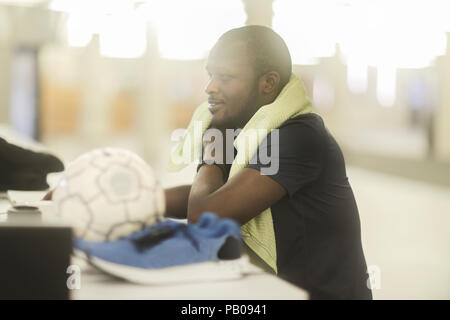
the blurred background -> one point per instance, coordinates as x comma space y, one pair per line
78, 74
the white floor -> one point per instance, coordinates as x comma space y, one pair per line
405, 232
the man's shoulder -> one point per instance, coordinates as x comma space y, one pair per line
310, 119
309, 125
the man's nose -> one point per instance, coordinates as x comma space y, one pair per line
211, 86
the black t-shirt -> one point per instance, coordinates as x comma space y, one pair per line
317, 226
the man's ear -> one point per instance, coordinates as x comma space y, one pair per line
270, 82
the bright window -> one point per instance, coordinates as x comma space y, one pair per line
188, 29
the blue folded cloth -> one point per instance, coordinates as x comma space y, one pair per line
170, 243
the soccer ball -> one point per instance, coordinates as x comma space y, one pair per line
108, 193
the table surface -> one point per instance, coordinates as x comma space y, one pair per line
254, 285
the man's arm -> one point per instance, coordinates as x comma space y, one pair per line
241, 198
177, 201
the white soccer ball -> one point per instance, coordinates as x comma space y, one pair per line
108, 193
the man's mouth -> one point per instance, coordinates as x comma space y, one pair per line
214, 105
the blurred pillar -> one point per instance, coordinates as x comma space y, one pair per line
5, 75
5, 63
259, 12
442, 115
20, 26
93, 124
152, 108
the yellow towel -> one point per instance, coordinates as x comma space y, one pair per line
258, 233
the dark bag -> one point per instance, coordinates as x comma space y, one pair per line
23, 169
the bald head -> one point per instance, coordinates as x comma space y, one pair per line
266, 50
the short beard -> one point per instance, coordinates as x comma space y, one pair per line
250, 109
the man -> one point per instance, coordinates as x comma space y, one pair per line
313, 210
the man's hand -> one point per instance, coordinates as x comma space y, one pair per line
218, 149
215, 146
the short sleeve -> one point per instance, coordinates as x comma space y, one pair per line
293, 156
